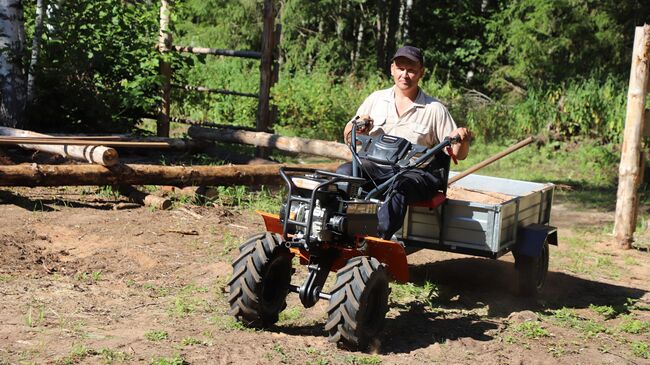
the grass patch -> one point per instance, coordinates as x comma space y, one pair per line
531, 329
174, 360
412, 294
363, 359
606, 311
110, 356
6, 278
229, 243
567, 318
34, 316
191, 341
640, 349
156, 335
228, 323
634, 326
290, 314
76, 355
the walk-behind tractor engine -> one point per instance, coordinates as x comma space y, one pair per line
329, 221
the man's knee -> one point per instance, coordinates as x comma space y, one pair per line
345, 169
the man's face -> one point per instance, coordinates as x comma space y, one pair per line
406, 73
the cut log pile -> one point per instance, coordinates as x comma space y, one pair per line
104, 167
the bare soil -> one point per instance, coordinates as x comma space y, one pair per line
83, 283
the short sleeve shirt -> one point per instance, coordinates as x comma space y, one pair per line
426, 122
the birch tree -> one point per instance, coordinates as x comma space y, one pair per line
12, 75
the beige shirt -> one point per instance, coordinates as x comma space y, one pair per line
426, 122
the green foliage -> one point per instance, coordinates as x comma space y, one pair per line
640, 349
531, 329
174, 360
317, 105
541, 42
631, 325
98, 68
156, 335
586, 108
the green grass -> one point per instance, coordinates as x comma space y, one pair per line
174, 360
110, 356
6, 278
34, 316
531, 329
413, 294
363, 359
640, 349
588, 169
290, 314
156, 335
634, 326
606, 311
567, 318
76, 355
191, 341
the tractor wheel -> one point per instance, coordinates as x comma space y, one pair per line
358, 303
260, 280
532, 272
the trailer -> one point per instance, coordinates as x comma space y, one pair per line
520, 224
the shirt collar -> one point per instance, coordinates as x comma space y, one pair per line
419, 101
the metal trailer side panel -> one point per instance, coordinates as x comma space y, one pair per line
488, 228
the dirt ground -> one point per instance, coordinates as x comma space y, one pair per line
84, 283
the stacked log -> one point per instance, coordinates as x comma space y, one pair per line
135, 174
101, 155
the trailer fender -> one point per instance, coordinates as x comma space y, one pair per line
530, 239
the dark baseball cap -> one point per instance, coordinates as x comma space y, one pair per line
410, 52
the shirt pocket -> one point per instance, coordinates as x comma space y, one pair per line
420, 128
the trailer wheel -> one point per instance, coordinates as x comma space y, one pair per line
260, 280
532, 272
358, 304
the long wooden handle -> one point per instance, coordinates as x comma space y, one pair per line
490, 160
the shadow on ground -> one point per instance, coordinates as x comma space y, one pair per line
48, 204
471, 283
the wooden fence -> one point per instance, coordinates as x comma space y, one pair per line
269, 70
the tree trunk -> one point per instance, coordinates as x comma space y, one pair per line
12, 76
164, 45
71, 175
627, 198
261, 139
393, 24
381, 34
94, 154
36, 47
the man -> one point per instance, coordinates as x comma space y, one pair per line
404, 110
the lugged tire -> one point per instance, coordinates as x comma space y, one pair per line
532, 272
260, 280
358, 304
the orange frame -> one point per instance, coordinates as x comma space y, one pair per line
390, 253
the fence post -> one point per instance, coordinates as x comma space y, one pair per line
629, 170
164, 46
266, 71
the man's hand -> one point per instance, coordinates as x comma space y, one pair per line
364, 126
461, 150
463, 133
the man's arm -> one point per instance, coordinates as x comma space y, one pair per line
461, 150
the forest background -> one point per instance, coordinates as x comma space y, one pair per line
505, 69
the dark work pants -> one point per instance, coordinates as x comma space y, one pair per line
413, 186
